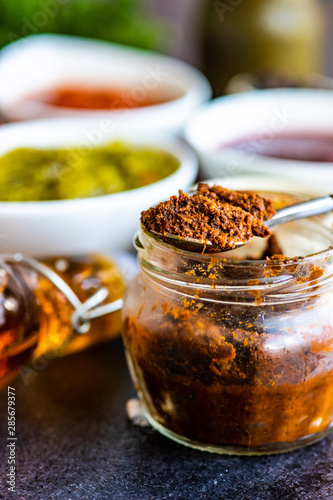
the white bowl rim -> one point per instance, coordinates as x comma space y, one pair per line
199, 90
268, 182
301, 94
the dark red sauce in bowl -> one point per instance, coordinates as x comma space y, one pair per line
296, 146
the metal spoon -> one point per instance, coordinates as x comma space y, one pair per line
310, 208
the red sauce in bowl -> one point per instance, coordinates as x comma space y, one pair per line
95, 98
301, 147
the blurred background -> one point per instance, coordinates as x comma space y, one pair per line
211, 34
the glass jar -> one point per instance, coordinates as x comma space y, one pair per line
234, 356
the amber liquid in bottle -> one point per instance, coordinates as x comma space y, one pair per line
85, 274
35, 317
19, 324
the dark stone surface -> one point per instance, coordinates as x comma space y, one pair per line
75, 442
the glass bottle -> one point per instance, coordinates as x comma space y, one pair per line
282, 37
85, 275
36, 315
234, 356
20, 321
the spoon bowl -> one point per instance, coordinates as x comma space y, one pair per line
309, 208
193, 245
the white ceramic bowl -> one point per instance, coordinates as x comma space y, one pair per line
261, 113
103, 223
41, 62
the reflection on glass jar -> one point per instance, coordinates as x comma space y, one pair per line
235, 356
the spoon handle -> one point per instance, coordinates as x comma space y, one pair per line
309, 208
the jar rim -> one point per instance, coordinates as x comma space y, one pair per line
142, 235
181, 271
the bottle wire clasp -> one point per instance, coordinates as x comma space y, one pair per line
84, 312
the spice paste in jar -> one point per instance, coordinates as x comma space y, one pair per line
235, 355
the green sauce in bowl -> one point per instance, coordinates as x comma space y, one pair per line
28, 174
